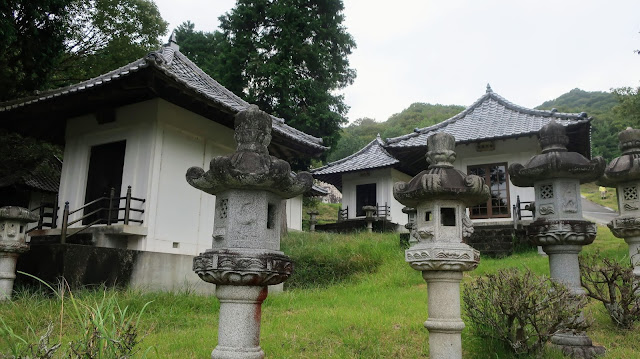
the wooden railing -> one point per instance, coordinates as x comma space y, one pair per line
113, 206
46, 210
520, 207
381, 212
343, 214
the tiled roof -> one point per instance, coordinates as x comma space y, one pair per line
490, 117
174, 64
371, 156
45, 177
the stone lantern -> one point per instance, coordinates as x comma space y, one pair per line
369, 211
313, 220
250, 188
624, 174
440, 195
13, 239
559, 228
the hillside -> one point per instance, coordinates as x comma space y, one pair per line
362, 131
596, 104
599, 105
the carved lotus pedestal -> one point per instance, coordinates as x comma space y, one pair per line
442, 265
241, 278
13, 222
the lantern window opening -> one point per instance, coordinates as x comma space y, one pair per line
546, 191
271, 214
630, 193
222, 212
427, 216
448, 216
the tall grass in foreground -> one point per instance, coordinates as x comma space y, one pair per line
365, 302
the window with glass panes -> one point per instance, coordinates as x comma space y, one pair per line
495, 176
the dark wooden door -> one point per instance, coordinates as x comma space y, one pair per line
365, 196
105, 172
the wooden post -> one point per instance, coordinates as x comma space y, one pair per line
111, 195
127, 206
41, 214
54, 216
65, 221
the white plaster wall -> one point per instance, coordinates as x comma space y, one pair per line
294, 213
510, 151
384, 180
162, 141
135, 124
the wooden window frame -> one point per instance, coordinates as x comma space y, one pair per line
487, 180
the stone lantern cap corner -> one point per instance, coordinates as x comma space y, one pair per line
250, 166
555, 161
440, 181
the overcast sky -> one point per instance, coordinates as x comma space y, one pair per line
447, 51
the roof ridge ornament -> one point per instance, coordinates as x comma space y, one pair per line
168, 50
489, 90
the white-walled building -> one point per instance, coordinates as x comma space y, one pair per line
490, 134
143, 125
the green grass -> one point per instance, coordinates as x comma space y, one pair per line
591, 192
364, 301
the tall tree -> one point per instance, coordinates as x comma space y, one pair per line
290, 58
105, 34
33, 34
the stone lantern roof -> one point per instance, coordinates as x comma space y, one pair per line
625, 168
555, 161
441, 181
250, 166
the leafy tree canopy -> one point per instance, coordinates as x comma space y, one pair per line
33, 34
289, 57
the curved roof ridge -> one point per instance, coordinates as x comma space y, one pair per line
86, 84
418, 132
532, 111
375, 142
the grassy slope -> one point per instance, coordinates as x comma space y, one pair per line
371, 306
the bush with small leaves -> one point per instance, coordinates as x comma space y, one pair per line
521, 310
613, 284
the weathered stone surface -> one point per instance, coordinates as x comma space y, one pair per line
251, 166
250, 188
242, 267
438, 198
624, 173
441, 180
13, 222
555, 161
560, 229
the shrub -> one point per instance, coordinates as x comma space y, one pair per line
520, 310
613, 284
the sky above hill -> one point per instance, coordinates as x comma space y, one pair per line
447, 51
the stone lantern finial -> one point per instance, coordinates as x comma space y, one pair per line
629, 141
553, 137
441, 152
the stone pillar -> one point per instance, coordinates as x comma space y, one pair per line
439, 196
624, 174
13, 239
245, 258
312, 220
369, 211
559, 228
